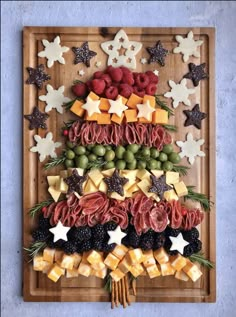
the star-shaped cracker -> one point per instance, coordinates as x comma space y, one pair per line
194, 117
196, 73
178, 243
92, 106
143, 60
37, 76
145, 110
187, 46
45, 146
37, 119
75, 182
190, 148
157, 54
116, 236
179, 93
53, 51
59, 232
83, 54
159, 185
81, 72
117, 106
54, 98
121, 51
115, 183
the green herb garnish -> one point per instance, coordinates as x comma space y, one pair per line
201, 198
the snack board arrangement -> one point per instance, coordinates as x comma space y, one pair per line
119, 165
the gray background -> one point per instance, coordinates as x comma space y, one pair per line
15, 15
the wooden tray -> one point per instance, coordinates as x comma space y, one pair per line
37, 287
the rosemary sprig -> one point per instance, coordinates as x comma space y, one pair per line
201, 198
55, 162
98, 163
163, 105
181, 169
68, 124
34, 249
199, 257
170, 127
34, 210
108, 283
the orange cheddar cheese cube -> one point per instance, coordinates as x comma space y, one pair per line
131, 115
77, 260
84, 269
55, 273
124, 100
93, 117
111, 261
120, 251
192, 271
72, 273
180, 275
179, 262
104, 104
167, 269
153, 271
48, 255
38, 263
160, 116
135, 256
93, 96
161, 256
117, 275
136, 269
117, 119
77, 108
103, 118
133, 101
94, 257
46, 267
148, 258
98, 266
67, 261
100, 273
58, 256
151, 99
124, 265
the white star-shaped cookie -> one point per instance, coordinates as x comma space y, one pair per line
121, 51
81, 72
178, 243
117, 106
45, 146
54, 98
143, 60
59, 232
53, 51
179, 93
187, 46
190, 148
92, 106
116, 236
156, 72
145, 110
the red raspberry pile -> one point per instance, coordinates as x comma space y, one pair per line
118, 80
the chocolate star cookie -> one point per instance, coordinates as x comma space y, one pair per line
194, 117
115, 183
83, 54
75, 182
157, 54
37, 119
196, 73
159, 185
37, 76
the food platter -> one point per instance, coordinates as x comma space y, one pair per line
201, 174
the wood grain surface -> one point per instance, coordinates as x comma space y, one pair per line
36, 286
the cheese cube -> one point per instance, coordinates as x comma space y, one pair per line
111, 261
153, 271
58, 256
133, 188
72, 273
77, 260
84, 269
170, 195
104, 104
52, 180
90, 187
55, 273
160, 116
143, 174
116, 196
133, 101
98, 266
157, 173
130, 174
46, 267
94, 257
181, 189
180, 275
148, 258
100, 273
96, 177
131, 115
93, 96
108, 172
61, 186
161, 256
135, 256
115, 118
67, 261
38, 263
103, 187
117, 275
104, 118
192, 271
77, 108
84, 257
179, 262
136, 269
120, 251
172, 178
167, 269
124, 265
144, 185
151, 99
48, 255
129, 184
93, 117
54, 193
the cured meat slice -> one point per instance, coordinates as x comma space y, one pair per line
175, 214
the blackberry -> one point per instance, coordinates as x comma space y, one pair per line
126, 230
168, 245
147, 240
98, 232
40, 235
197, 245
133, 239
79, 247
51, 244
188, 250
97, 245
125, 241
86, 246
171, 232
69, 247
190, 235
44, 223
82, 233
110, 226
108, 247
159, 240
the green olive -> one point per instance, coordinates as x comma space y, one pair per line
80, 150
167, 166
174, 158
154, 152
109, 155
133, 148
92, 157
120, 164
158, 167
99, 150
141, 165
168, 148
132, 165
108, 147
69, 163
90, 147
145, 151
81, 161
70, 145
70, 154
128, 156
152, 164
120, 150
109, 165
163, 157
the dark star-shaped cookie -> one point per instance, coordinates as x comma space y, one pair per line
157, 54
83, 54
37, 119
159, 185
196, 73
115, 183
194, 117
37, 76
75, 182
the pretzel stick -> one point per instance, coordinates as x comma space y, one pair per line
116, 294
134, 287
123, 292
120, 297
112, 295
127, 290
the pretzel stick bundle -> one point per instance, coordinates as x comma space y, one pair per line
127, 290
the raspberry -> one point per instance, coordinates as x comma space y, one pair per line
142, 80
98, 86
128, 78
116, 74
97, 75
80, 89
138, 91
125, 90
107, 79
109, 68
151, 89
89, 85
111, 92
125, 70
152, 77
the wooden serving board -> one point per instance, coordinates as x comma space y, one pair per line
36, 286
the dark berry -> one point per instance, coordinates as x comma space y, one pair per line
82, 233
98, 232
110, 226
159, 240
97, 245
69, 247
108, 247
147, 240
171, 232
190, 235
134, 239
44, 223
40, 235
86, 246
168, 245
197, 245
125, 241
188, 250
